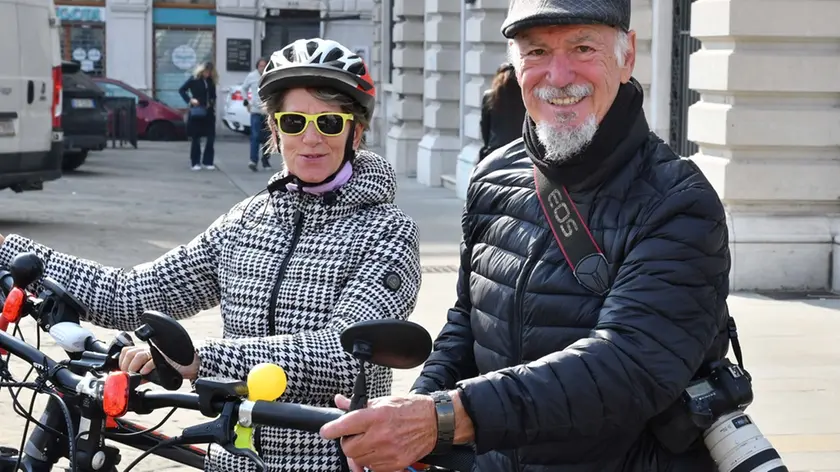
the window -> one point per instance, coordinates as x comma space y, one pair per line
178, 50
84, 43
185, 3
114, 90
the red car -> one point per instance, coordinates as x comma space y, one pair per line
156, 121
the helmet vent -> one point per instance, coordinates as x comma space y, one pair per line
333, 55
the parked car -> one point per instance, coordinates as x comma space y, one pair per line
84, 118
236, 116
30, 95
156, 121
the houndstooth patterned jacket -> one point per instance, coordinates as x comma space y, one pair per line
356, 258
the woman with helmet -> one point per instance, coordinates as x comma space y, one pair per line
324, 246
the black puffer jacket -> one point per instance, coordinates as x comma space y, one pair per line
560, 379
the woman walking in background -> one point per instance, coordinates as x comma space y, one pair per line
502, 111
201, 118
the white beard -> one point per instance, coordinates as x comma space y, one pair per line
562, 142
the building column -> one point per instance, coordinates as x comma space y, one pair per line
405, 105
129, 19
767, 130
438, 150
378, 74
486, 51
661, 65
641, 20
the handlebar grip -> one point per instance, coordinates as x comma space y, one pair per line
460, 458
164, 374
293, 416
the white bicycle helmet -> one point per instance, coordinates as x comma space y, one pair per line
319, 62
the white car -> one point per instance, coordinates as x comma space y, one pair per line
236, 117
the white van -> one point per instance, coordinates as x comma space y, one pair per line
31, 141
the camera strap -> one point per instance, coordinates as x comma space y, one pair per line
585, 258
582, 253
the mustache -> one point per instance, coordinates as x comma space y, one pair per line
548, 92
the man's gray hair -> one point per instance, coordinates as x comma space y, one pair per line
622, 47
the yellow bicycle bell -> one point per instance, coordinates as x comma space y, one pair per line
266, 382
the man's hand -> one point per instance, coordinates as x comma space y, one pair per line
390, 434
393, 433
139, 359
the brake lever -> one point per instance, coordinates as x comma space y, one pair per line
164, 374
220, 431
247, 453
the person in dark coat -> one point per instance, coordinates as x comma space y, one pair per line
502, 111
199, 91
543, 372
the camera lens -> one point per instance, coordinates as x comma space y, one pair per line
737, 445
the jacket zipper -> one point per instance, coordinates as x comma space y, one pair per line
297, 219
516, 324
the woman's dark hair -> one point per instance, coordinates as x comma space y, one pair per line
504, 85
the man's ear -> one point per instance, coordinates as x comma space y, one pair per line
629, 58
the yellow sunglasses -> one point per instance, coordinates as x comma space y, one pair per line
292, 123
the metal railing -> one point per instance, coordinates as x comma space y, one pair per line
682, 96
122, 121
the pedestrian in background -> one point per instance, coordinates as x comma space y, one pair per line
201, 118
502, 111
259, 126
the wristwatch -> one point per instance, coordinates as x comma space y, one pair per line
445, 422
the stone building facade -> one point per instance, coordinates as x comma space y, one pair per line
748, 89
153, 44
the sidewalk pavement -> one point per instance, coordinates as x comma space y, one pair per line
792, 348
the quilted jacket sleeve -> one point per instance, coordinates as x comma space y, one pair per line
180, 283
313, 359
663, 313
452, 358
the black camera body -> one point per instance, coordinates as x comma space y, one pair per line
727, 388
724, 387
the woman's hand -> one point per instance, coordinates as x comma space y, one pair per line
139, 359
193, 102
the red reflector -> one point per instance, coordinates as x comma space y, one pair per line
111, 423
115, 394
236, 95
13, 308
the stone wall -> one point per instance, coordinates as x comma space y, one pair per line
486, 50
405, 105
768, 128
438, 150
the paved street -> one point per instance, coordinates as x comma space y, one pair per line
127, 206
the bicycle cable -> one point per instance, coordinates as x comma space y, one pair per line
147, 430
146, 453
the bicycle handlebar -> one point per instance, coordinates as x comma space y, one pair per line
278, 414
63, 378
292, 416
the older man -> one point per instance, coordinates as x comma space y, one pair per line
567, 345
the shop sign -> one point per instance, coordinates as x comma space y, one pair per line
86, 14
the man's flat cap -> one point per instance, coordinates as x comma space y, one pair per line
523, 14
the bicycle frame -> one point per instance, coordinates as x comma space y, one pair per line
44, 449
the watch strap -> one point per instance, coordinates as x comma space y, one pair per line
445, 410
